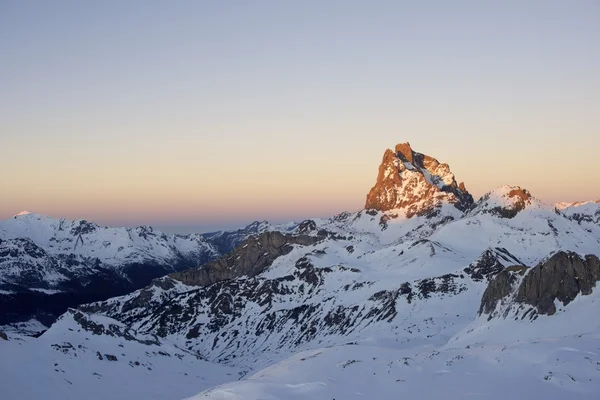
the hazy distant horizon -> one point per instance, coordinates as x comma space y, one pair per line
217, 113
184, 228
197, 226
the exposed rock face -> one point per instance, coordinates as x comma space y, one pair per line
307, 226
499, 288
226, 241
490, 263
561, 277
416, 183
87, 324
250, 259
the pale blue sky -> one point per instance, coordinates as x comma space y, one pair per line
207, 113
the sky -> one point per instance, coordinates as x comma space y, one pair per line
211, 114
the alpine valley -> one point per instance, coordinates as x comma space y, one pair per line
425, 293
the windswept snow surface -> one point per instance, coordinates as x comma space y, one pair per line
554, 357
554, 368
69, 363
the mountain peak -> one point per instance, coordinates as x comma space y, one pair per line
505, 202
405, 150
416, 183
22, 213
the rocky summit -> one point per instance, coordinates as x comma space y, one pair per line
415, 184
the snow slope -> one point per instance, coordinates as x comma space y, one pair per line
586, 214
413, 281
71, 363
554, 368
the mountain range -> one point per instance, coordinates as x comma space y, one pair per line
48, 265
425, 291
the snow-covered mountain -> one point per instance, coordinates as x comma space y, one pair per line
424, 292
358, 279
412, 183
226, 241
586, 214
47, 265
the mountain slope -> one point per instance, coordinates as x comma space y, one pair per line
48, 265
354, 283
586, 214
372, 273
90, 357
558, 368
438, 296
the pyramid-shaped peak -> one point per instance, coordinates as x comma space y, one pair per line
416, 183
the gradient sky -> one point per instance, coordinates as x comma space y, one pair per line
215, 113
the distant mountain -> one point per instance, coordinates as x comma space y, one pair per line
226, 241
47, 265
564, 205
586, 214
423, 292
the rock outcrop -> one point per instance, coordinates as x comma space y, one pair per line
249, 259
500, 288
415, 183
490, 263
562, 277
226, 241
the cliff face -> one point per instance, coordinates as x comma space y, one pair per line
416, 183
562, 277
251, 258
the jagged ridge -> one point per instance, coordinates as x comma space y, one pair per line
415, 183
